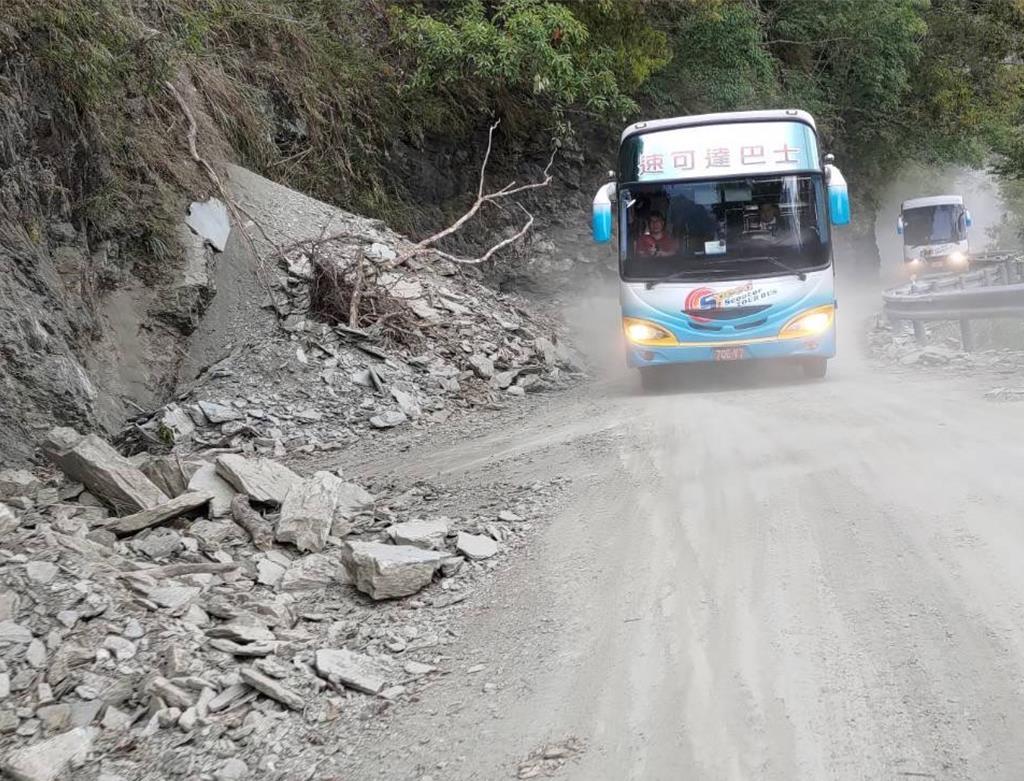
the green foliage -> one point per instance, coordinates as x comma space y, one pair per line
525, 57
718, 62
316, 93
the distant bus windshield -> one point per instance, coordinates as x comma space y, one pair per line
934, 225
721, 229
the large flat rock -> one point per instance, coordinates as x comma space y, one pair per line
261, 479
165, 512
356, 671
105, 472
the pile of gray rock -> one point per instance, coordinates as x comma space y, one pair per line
896, 344
159, 611
315, 386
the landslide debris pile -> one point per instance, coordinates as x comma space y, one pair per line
163, 616
426, 339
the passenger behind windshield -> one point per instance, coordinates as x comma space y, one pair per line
933, 225
725, 229
656, 242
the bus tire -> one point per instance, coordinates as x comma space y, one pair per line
815, 368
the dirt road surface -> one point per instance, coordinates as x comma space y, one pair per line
752, 576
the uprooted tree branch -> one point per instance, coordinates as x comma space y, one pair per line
427, 245
356, 293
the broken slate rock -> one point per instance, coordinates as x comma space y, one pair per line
166, 474
482, 365
476, 546
233, 770
312, 506
220, 413
8, 520
180, 505
241, 632
356, 671
173, 597
91, 461
159, 544
41, 572
422, 534
389, 419
206, 480
313, 572
388, 571
14, 634
261, 479
273, 689
17, 482
407, 403
46, 761
268, 572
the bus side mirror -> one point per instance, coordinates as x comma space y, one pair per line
967, 219
601, 224
838, 196
899, 225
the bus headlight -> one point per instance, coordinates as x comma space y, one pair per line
810, 323
957, 258
646, 333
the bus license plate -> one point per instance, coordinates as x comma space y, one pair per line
730, 354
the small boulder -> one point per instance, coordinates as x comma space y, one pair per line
389, 419
313, 506
388, 571
482, 365
206, 480
476, 546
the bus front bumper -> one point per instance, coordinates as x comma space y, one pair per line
821, 346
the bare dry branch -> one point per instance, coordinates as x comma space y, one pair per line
427, 244
357, 294
500, 245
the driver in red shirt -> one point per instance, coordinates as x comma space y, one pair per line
656, 242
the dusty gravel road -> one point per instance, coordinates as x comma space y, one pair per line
753, 577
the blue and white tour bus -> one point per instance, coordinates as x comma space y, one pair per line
724, 240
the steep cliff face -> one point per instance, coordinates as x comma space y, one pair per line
90, 317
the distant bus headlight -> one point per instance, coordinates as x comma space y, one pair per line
646, 333
810, 323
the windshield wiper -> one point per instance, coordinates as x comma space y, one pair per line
698, 273
800, 274
731, 269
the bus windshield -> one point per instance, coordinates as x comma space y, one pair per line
721, 229
933, 225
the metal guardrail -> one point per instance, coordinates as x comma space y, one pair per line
993, 288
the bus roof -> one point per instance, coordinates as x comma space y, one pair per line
934, 200
731, 117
